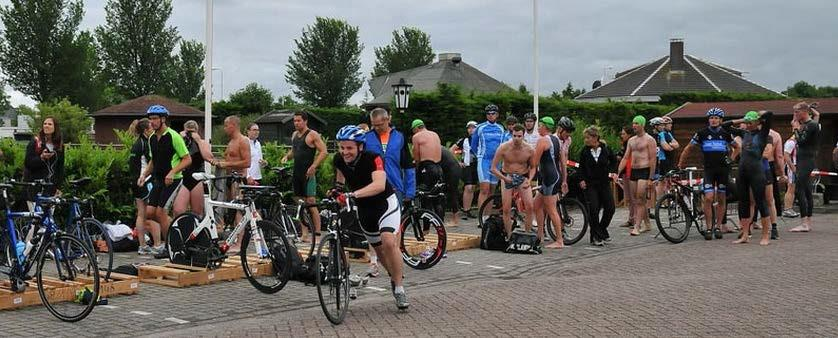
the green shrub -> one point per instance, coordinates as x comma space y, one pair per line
72, 119
11, 162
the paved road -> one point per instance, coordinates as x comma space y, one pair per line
638, 286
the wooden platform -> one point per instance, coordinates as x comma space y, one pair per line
179, 276
119, 284
354, 254
454, 241
258, 266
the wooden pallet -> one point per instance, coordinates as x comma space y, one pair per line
356, 255
63, 291
179, 276
454, 242
258, 266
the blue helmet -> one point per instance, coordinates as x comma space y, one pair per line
718, 112
351, 133
157, 110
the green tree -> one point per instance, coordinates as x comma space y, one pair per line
409, 48
325, 66
187, 73
804, 89
43, 54
137, 46
4, 98
253, 99
569, 92
72, 119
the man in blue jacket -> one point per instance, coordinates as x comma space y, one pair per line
484, 143
391, 145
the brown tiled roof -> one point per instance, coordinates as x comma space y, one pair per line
735, 109
138, 106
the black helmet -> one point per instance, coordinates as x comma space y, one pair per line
566, 124
491, 107
511, 119
529, 116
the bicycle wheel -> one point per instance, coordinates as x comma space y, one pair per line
179, 231
265, 261
332, 279
574, 221
424, 248
95, 234
66, 259
673, 219
491, 206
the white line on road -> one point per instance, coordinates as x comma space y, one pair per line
494, 266
593, 248
375, 288
141, 313
462, 262
109, 306
176, 320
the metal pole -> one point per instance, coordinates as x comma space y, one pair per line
208, 76
535, 57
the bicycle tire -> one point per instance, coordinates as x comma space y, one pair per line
671, 209
179, 231
439, 248
96, 231
575, 221
65, 248
277, 253
336, 278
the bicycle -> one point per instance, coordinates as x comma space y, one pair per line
416, 224
195, 241
291, 218
71, 260
84, 226
333, 266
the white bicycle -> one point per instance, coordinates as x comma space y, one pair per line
195, 241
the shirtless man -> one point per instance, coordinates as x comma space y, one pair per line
236, 160
515, 155
427, 152
641, 149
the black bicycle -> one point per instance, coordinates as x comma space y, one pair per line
82, 224
332, 274
421, 246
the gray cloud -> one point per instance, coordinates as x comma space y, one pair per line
775, 42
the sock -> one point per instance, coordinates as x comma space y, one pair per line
373, 259
399, 289
774, 225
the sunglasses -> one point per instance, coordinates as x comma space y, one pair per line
492, 113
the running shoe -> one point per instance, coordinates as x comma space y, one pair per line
401, 301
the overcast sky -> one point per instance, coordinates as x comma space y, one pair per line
775, 42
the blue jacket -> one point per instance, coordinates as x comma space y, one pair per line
398, 163
486, 140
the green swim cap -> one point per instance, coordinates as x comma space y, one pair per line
416, 123
639, 119
548, 121
751, 116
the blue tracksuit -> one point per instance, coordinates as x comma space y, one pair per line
398, 163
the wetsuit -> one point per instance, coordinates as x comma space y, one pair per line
807, 150
550, 176
751, 178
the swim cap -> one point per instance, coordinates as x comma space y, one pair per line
639, 119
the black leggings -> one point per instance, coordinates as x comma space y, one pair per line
751, 181
802, 187
600, 198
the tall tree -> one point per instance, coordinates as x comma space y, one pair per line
804, 89
137, 46
43, 54
325, 66
253, 99
187, 72
569, 92
410, 48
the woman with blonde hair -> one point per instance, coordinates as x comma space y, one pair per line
191, 193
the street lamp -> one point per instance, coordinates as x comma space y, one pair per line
401, 91
222, 80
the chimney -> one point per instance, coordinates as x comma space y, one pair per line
453, 57
676, 55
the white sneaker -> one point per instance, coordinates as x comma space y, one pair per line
373, 270
145, 250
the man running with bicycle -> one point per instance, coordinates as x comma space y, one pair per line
360, 174
715, 143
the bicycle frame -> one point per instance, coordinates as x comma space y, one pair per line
45, 220
249, 217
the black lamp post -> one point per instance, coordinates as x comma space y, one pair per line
401, 91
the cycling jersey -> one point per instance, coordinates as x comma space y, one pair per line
166, 153
484, 143
661, 138
379, 213
714, 143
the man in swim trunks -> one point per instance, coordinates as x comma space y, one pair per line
641, 148
515, 157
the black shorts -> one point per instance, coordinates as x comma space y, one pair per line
141, 192
770, 174
189, 182
163, 195
428, 174
716, 178
469, 176
638, 174
379, 218
664, 167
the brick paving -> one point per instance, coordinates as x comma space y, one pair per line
637, 286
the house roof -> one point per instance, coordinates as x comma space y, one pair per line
828, 106
138, 106
449, 69
690, 74
282, 116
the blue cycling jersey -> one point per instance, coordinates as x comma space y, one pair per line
486, 139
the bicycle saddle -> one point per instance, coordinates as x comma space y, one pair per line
80, 182
202, 176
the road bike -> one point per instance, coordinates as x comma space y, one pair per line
292, 218
59, 258
332, 274
83, 225
421, 246
194, 241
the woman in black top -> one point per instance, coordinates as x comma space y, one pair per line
45, 158
625, 134
137, 161
191, 193
598, 167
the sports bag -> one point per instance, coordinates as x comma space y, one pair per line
523, 242
493, 236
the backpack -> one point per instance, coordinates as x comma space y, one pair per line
296, 262
493, 236
308, 271
523, 242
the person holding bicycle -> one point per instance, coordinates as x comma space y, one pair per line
515, 156
360, 174
715, 143
549, 160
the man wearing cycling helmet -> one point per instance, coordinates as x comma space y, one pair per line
511, 121
715, 143
360, 174
666, 146
169, 157
565, 127
531, 135
484, 143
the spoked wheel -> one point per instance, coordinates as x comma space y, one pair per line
264, 256
332, 279
179, 232
673, 218
95, 235
574, 217
66, 259
423, 239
